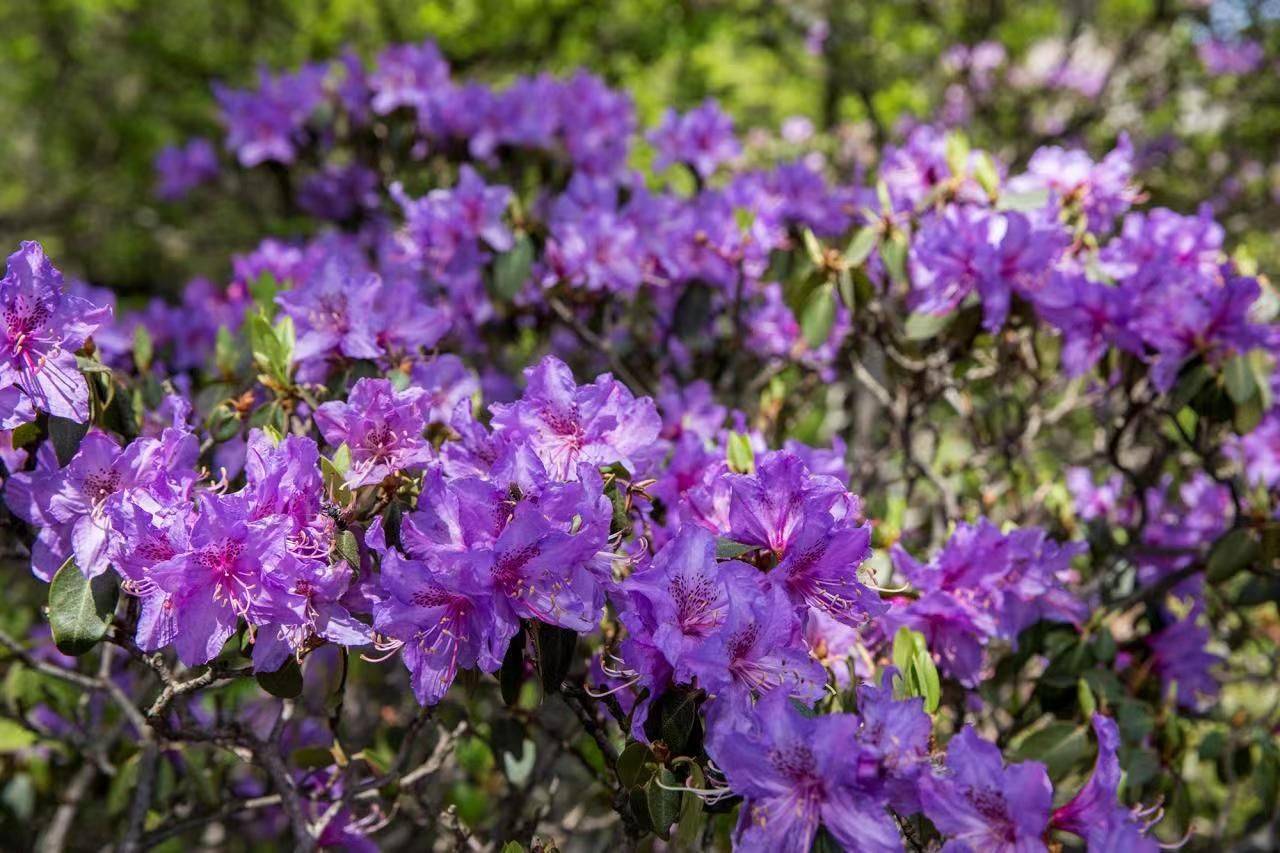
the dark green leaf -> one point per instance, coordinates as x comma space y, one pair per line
511, 270
555, 654
1232, 553
348, 549
676, 713
922, 327
1059, 746
284, 683
1241, 382
511, 675
819, 315
664, 804
80, 609
143, 349
862, 245
311, 757
66, 436
727, 549
634, 768
894, 254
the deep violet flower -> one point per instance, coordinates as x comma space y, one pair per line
794, 773
383, 428
702, 138
41, 327
981, 805
565, 423
1095, 812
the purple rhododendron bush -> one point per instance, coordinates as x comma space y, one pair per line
526, 500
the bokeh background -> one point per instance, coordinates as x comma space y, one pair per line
91, 90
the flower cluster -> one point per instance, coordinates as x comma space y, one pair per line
372, 441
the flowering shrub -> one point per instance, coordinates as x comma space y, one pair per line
547, 502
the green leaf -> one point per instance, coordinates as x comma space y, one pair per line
819, 315
862, 245
513, 847
263, 289
348, 549
120, 792
1059, 746
1025, 202
14, 736
664, 804
957, 153
311, 757
284, 683
511, 269
1232, 553
1084, 695
66, 436
226, 354
742, 459
633, 766
692, 822
80, 609
678, 713
812, 246
894, 254
727, 549
917, 673
143, 349
511, 675
922, 327
26, 434
272, 346
925, 673
1241, 382
986, 174
555, 647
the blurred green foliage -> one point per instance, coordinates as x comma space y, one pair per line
92, 89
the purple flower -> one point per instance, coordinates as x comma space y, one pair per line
1180, 658
566, 424
596, 123
795, 773
820, 569
1103, 190
1090, 316
408, 75
759, 649
1105, 501
981, 805
266, 124
1220, 56
1258, 453
40, 330
1095, 812
339, 193
182, 168
972, 250
146, 534
766, 509
445, 232
71, 506
333, 312
446, 383
221, 577
445, 621
383, 428
701, 138
985, 585
683, 595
